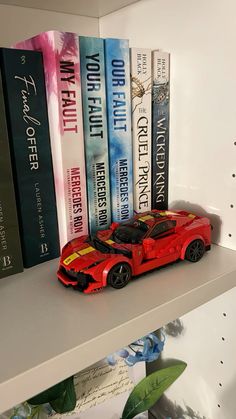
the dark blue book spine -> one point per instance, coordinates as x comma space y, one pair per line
27, 120
10, 248
160, 129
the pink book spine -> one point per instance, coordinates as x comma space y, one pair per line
62, 76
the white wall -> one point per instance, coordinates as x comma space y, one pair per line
208, 384
17, 23
201, 37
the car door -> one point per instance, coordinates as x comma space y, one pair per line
164, 241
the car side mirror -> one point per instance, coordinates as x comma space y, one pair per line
114, 226
148, 244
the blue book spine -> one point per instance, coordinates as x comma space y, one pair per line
119, 127
160, 129
95, 132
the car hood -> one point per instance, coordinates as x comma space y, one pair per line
82, 258
84, 253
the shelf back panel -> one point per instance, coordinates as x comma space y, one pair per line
200, 37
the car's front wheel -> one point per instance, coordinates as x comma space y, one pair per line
195, 250
119, 275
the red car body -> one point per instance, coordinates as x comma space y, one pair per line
146, 242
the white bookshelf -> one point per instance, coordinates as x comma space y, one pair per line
91, 8
48, 333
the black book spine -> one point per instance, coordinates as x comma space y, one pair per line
10, 248
27, 119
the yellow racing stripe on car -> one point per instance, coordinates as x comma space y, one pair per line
146, 217
86, 250
163, 213
70, 258
109, 241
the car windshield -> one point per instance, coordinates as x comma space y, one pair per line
131, 232
100, 245
106, 248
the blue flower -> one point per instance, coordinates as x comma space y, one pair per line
146, 349
123, 353
150, 347
111, 360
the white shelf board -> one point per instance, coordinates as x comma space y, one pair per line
48, 332
91, 8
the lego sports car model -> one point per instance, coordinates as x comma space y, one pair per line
149, 240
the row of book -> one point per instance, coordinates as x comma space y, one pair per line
83, 143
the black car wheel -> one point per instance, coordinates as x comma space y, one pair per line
119, 275
195, 251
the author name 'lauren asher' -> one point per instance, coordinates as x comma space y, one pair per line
3, 236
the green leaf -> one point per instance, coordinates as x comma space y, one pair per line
67, 401
51, 393
150, 389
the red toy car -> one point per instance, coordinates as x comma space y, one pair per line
147, 241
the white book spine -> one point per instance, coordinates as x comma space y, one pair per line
141, 82
63, 85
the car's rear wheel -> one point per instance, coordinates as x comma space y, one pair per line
195, 250
119, 275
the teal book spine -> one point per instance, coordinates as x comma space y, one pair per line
27, 121
92, 64
119, 127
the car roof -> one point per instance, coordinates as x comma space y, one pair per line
151, 217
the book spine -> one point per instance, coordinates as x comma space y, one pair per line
95, 132
119, 128
160, 129
141, 88
10, 248
62, 74
26, 110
